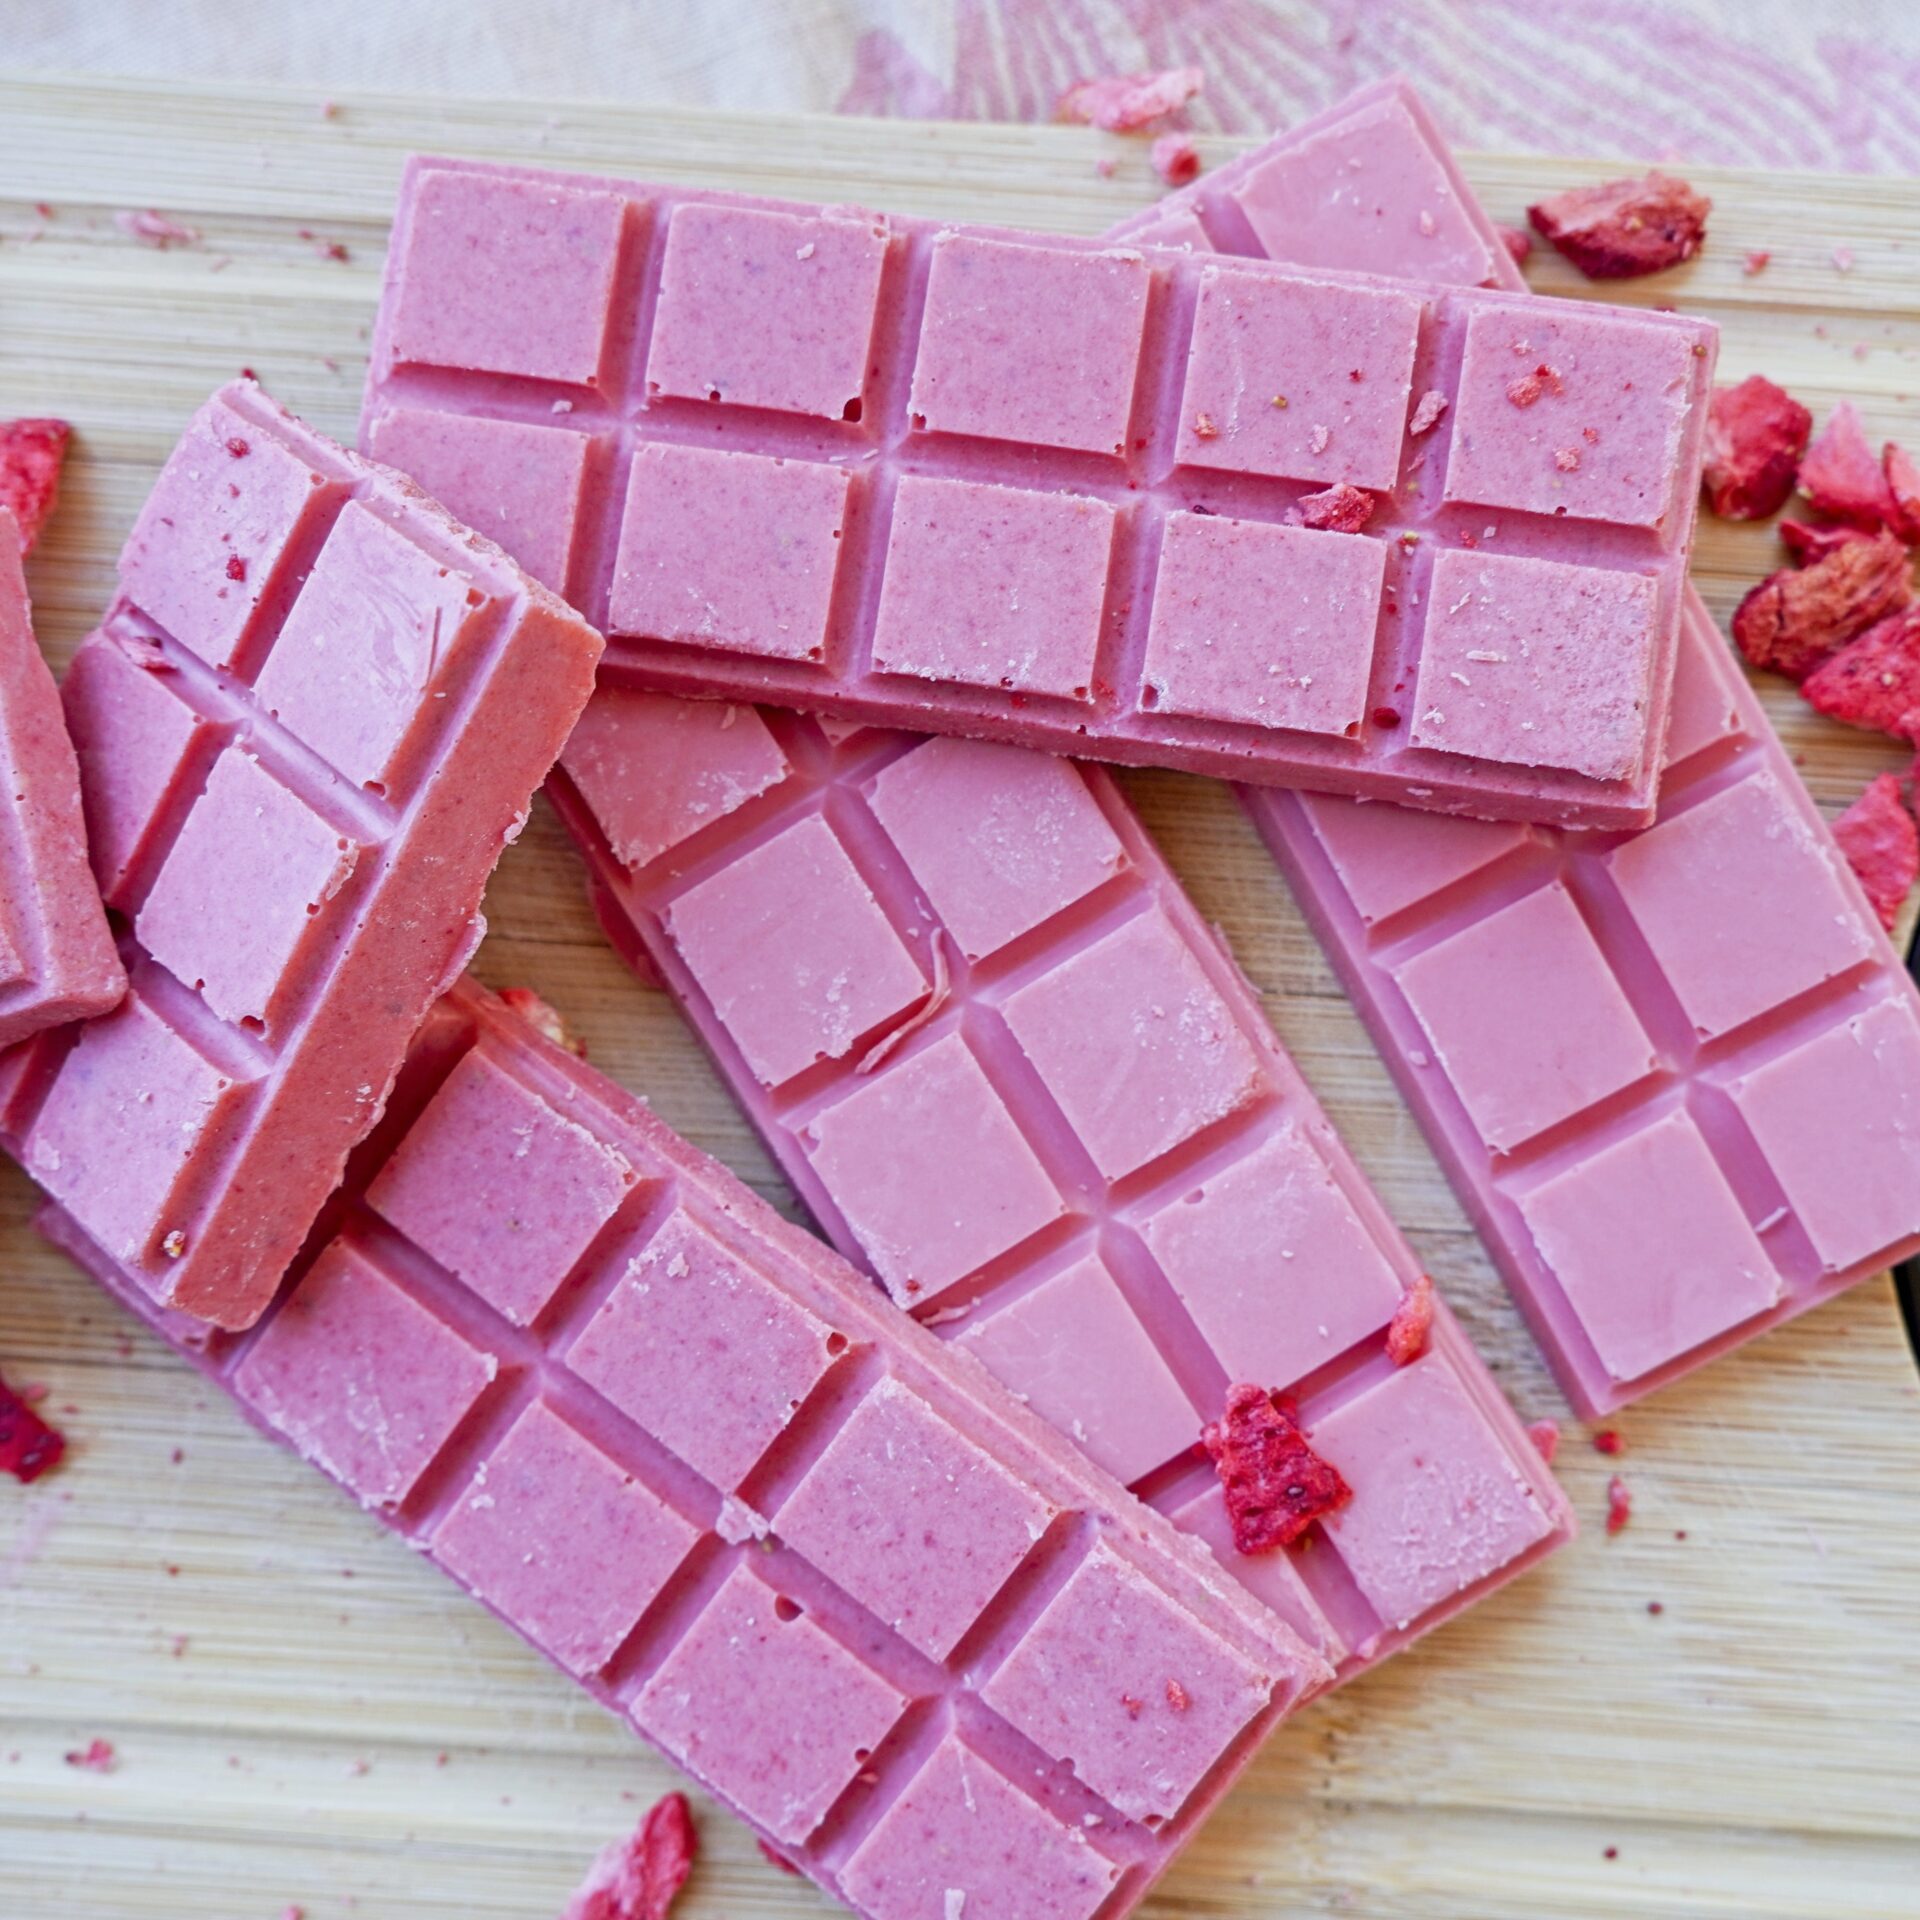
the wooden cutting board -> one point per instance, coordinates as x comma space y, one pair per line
303, 1716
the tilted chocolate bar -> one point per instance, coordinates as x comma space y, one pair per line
1013, 1073
307, 726
821, 1560
1005, 485
1674, 1076
57, 960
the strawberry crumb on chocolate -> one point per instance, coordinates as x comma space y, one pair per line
1177, 1697
1609, 1442
29, 1447
637, 1878
1276, 1486
1842, 478
1126, 102
1175, 158
1427, 411
1205, 427
236, 567
1337, 509
31, 454
1545, 1435
1793, 619
779, 1860
1411, 1329
1873, 681
1756, 433
1882, 844
1619, 1504
1624, 228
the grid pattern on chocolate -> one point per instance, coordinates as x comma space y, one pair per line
788, 460
805, 1685
1070, 1132
301, 650
1701, 1135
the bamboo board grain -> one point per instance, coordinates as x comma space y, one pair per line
305, 1716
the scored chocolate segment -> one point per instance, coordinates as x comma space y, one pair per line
307, 726
835, 461
810, 1552
1074, 1147
1671, 1074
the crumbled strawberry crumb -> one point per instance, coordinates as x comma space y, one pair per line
97, 1756
1756, 261
1177, 1697
1518, 243
544, 1017
1619, 1504
1320, 439
1567, 459
779, 1860
1337, 509
637, 1878
1411, 1328
1545, 1435
1882, 844
31, 453
1609, 1442
1175, 158
1841, 477
1874, 680
1809, 540
1793, 619
1525, 390
238, 447
1276, 1485
236, 567
1756, 433
1386, 716
1125, 102
29, 1447
1427, 411
1624, 228
1903, 482
1205, 427
154, 229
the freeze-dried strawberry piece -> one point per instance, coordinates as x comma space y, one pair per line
30, 455
1903, 482
1841, 477
1276, 1485
1794, 618
1336, 509
1874, 681
1619, 1504
1124, 102
638, 1877
1882, 845
1427, 411
1756, 433
1175, 158
1412, 1325
1810, 540
1518, 243
544, 1017
1545, 1435
1624, 227
28, 1446
97, 1756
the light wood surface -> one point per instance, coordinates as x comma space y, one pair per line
305, 1716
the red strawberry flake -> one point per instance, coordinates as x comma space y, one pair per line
1903, 482
1411, 1328
1874, 681
1756, 433
236, 567
543, 1015
1427, 411
1526, 389
1336, 509
1386, 716
1175, 158
28, 1446
1545, 1435
1518, 242
154, 229
31, 452
1619, 1504
1756, 261
780, 1860
1841, 477
1125, 102
1792, 620
1882, 845
1609, 1442
1177, 1697
1276, 1485
1810, 540
97, 1756
1624, 228
637, 1878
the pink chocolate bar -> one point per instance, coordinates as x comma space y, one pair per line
1675, 1075
999, 484
57, 961
818, 1558
307, 726
1015, 1076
